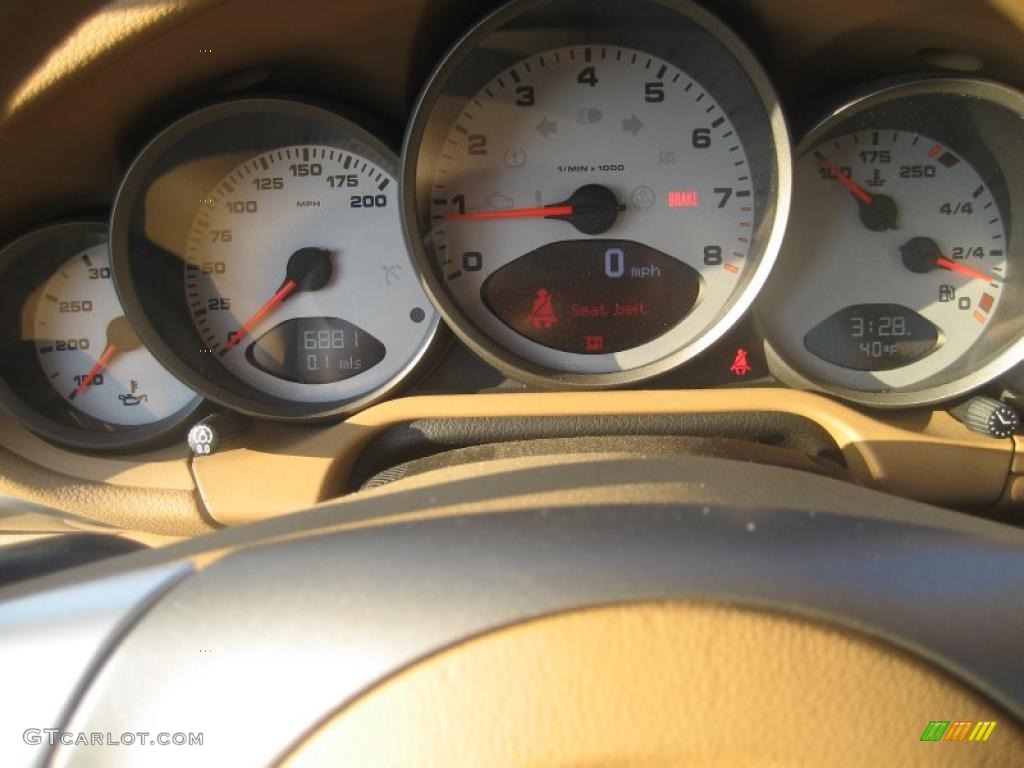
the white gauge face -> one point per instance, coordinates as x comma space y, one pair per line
894, 266
629, 137
298, 279
89, 352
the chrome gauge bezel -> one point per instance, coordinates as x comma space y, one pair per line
157, 312
508, 28
851, 116
36, 256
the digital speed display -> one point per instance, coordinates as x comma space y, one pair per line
873, 337
592, 296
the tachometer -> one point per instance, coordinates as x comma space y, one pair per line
257, 244
76, 372
897, 282
595, 195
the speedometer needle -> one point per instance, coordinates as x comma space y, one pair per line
309, 269
592, 209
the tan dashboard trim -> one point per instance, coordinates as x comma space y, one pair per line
926, 456
166, 470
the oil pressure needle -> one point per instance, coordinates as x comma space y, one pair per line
120, 338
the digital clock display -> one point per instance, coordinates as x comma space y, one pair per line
873, 337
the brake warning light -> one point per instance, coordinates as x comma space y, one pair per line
683, 199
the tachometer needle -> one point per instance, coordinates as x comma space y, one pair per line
95, 371
592, 209
308, 269
544, 212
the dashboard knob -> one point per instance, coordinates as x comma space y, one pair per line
987, 416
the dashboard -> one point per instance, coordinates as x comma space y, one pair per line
280, 246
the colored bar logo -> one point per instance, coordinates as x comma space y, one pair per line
958, 730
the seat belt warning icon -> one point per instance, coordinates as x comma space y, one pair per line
542, 315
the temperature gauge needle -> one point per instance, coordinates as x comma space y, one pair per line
877, 212
309, 269
592, 209
855, 189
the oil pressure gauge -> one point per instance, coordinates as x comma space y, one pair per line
76, 372
900, 279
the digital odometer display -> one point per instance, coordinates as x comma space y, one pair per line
592, 296
873, 337
315, 350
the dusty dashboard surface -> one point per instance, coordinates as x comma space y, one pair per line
327, 239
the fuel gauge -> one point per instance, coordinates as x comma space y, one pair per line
900, 279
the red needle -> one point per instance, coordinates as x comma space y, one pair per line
855, 189
952, 266
95, 370
282, 293
513, 213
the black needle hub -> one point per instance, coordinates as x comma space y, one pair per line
880, 214
121, 335
309, 268
594, 209
920, 254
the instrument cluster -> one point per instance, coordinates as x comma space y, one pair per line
589, 195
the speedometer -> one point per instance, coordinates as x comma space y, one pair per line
258, 248
595, 197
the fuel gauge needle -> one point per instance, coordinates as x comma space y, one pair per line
923, 254
962, 269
